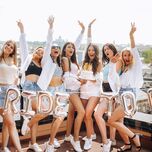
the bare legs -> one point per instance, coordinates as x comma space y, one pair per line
9, 129
89, 108
114, 121
101, 109
77, 104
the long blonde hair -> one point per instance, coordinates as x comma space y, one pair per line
13, 54
124, 67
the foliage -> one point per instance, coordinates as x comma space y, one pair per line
147, 54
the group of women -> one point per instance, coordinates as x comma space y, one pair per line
54, 70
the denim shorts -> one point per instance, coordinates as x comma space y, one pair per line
60, 110
3, 90
73, 91
133, 90
31, 86
59, 88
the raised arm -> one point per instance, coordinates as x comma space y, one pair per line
80, 36
47, 50
89, 34
22, 43
131, 34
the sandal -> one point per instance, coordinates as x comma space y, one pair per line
125, 147
138, 148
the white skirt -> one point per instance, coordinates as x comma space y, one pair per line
90, 89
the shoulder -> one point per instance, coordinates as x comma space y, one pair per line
100, 66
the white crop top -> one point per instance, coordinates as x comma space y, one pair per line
8, 73
74, 69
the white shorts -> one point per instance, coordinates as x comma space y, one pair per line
90, 89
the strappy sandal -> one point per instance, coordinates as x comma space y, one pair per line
138, 148
125, 147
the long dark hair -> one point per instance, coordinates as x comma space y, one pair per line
105, 59
95, 61
73, 58
13, 54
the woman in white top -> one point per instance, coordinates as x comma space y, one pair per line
90, 85
70, 68
8, 77
31, 68
56, 85
131, 79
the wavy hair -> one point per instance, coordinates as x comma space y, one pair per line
95, 61
13, 54
105, 59
73, 58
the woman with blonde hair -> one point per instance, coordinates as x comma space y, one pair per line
8, 78
131, 79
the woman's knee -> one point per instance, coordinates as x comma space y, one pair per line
110, 121
9, 122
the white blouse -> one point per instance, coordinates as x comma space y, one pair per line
8, 73
133, 77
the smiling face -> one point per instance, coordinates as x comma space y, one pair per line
38, 53
69, 50
91, 52
9, 48
127, 57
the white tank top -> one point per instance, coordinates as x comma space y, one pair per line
8, 73
74, 69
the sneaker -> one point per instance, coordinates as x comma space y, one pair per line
76, 145
6, 150
68, 138
49, 148
25, 129
113, 143
107, 147
35, 147
56, 143
93, 136
88, 144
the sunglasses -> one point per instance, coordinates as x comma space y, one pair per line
55, 47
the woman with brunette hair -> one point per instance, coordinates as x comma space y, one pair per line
131, 79
8, 78
72, 85
109, 58
90, 87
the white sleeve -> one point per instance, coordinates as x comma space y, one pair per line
23, 48
79, 40
89, 40
136, 69
47, 49
113, 78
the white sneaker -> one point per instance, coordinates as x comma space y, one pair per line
35, 147
56, 143
88, 144
93, 136
6, 150
113, 143
25, 128
68, 138
76, 145
49, 148
107, 147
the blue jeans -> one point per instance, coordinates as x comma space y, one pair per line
31, 86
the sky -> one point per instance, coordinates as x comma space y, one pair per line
113, 18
